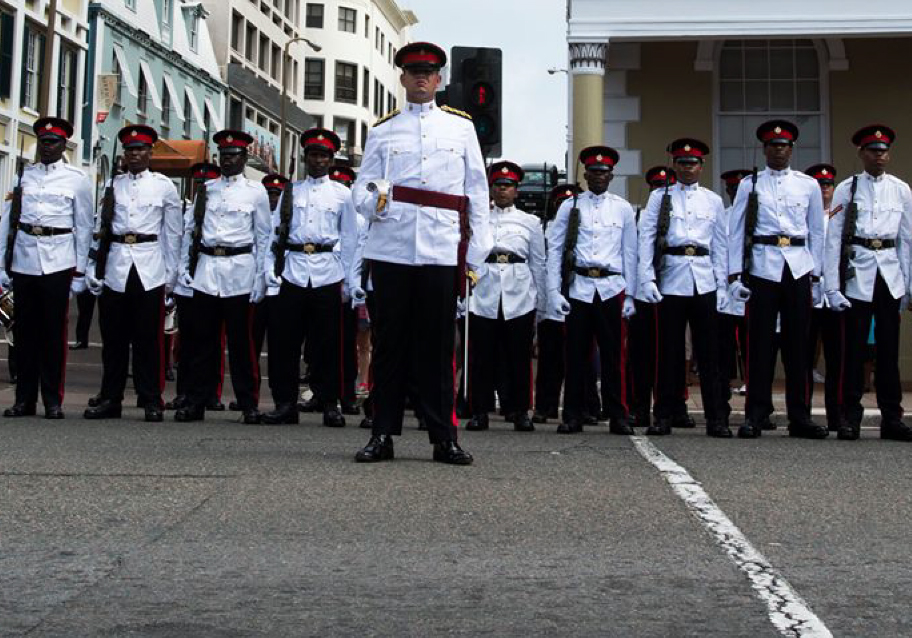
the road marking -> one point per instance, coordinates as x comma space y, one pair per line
788, 612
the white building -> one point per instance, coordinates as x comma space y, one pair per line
352, 81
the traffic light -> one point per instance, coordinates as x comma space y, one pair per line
476, 89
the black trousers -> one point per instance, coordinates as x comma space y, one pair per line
731, 355
415, 332
549, 376
884, 309
313, 313
641, 342
827, 325
789, 298
260, 326
85, 304
133, 319
40, 333
510, 342
349, 351
209, 313
673, 314
600, 320
185, 341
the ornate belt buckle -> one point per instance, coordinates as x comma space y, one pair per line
595, 272
130, 239
690, 251
37, 230
219, 251
503, 259
310, 249
876, 244
784, 242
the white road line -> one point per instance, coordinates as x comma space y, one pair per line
788, 612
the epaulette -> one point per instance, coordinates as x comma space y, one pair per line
450, 109
387, 117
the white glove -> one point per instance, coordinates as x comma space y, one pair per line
816, 293
259, 290
837, 300
721, 299
95, 285
460, 306
78, 285
739, 291
559, 304
629, 308
358, 296
650, 292
5, 282
185, 279
272, 280
346, 292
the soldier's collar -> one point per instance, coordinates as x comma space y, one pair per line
53, 166
875, 179
785, 171
139, 175
233, 179
317, 180
421, 108
599, 197
688, 187
508, 209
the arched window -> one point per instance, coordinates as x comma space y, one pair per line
764, 79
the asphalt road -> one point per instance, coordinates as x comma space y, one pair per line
216, 529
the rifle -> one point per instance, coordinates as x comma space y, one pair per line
750, 226
105, 227
849, 226
465, 234
196, 235
15, 210
662, 224
568, 262
286, 209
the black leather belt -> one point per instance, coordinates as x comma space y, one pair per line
309, 248
782, 241
43, 231
594, 272
226, 251
873, 243
686, 251
133, 238
503, 257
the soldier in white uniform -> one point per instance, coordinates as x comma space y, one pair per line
222, 261
50, 248
600, 286
689, 280
502, 306
874, 280
784, 277
135, 263
311, 273
437, 198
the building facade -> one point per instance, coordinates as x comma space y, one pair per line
23, 32
352, 81
151, 62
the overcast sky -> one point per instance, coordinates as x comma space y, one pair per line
532, 35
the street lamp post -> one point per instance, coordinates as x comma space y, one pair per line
316, 48
569, 152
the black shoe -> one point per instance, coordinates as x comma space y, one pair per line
522, 423
808, 430
643, 420
216, 406
379, 448
588, 419
106, 409
685, 421
284, 414
311, 405
478, 423
767, 425
190, 413
53, 412
538, 417
234, 406
169, 374
450, 452
659, 427
895, 431
20, 409
252, 416
332, 418
620, 426
154, 414
718, 429
750, 430
367, 423
849, 431
179, 402
79, 345
570, 427
94, 401
350, 408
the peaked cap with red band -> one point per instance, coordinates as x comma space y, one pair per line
205, 170
274, 182
137, 135
876, 136
232, 139
420, 55
777, 132
657, 175
734, 177
688, 147
562, 191
599, 157
824, 173
505, 172
342, 174
53, 126
321, 138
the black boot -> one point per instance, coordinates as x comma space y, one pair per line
105, 409
367, 423
895, 431
252, 416
284, 414
659, 427
379, 448
53, 411
154, 413
570, 426
190, 413
620, 426
450, 452
750, 429
350, 408
20, 409
522, 422
179, 401
808, 430
478, 423
332, 418
718, 429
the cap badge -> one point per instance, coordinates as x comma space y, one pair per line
505, 170
48, 126
320, 137
687, 147
824, 172
568, 193
133, 133
878, 135
335, 173
229, 139
598, 157
777, 130
662, 174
